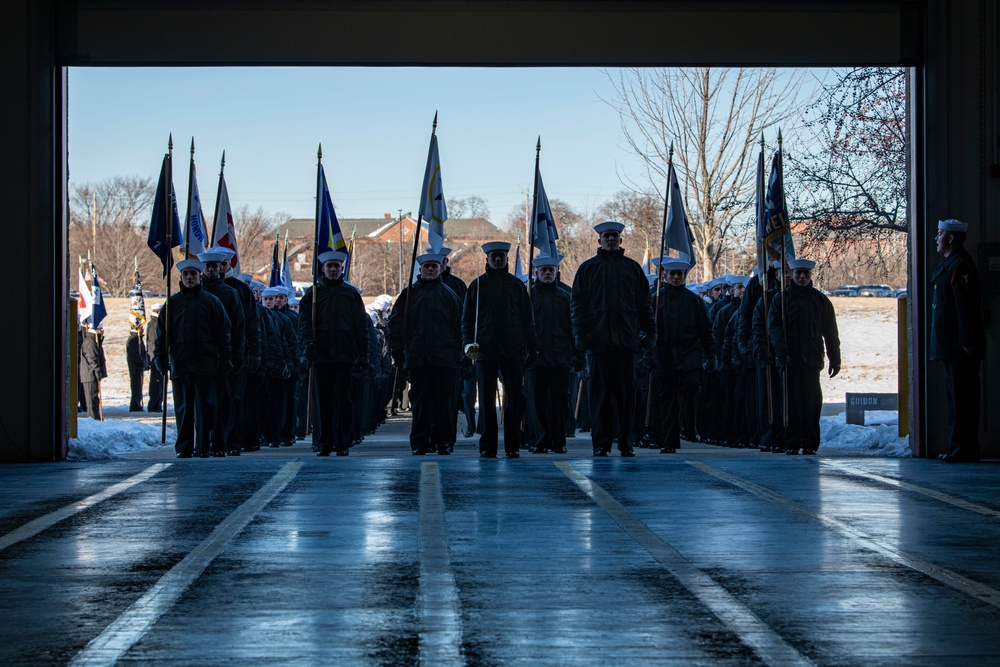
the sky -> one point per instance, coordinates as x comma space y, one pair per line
374, 125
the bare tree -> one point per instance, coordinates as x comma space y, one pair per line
472, 206
642, 215
110, 218
255, 236
713, 118
375, 268
850, 189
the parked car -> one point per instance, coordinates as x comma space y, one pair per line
845, 290
875, 290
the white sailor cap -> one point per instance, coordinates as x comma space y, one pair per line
801, 263
651, 278
429, 257
213, 255
545, 260
695, 287
739, 280
712, 284
953, 225
156, 307
292, 301
333, 256
383, 302
287, 291
674, 264
609, 226
190, 264
495, 246
443, 251
257, 286
246, 278
273, 291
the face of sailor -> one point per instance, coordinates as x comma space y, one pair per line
280, 301
333, 269
715, 293
212, 270
611, 240
268, 301
257, 296
944, 242
675, 278
430, 270
546, 274
737, 291
224, 267
294, 308
190, 277
801, 277
497, 259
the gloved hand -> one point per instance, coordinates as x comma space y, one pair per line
761, 357
311, 352
647, 341
399, 361
286, 370
834, 370
781, 358
709, 364
579, 362
530, 359
159, 365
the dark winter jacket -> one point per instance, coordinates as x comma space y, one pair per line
341, 332
234, 310
684, 335
809, 321
744, 323
199, 334
956, 314
93, 366
433, 328
504, 313
610, 304
761, 346
251, 322
273, 348
553, 327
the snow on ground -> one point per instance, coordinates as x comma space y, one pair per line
868, 346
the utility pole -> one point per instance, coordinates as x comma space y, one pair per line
93, 218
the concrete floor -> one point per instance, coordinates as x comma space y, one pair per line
711, 556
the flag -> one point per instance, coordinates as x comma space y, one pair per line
328, 234
545, 223
348, 263
84, 298
518, 269
275, 280
777, 233
761, 222
137, 305
98, 310
286, 269
432, 205
678, 233
225, 228
645, 260
197, 237
164, 213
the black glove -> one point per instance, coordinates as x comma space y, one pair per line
781, 358
530, 359
579, 363
761, 357
834, 370
398, 361
286, 370
647, 342
709, 365
466, 369
311, 353
158, 365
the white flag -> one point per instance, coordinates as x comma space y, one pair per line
197, 237
678, 234
85, 299
433, 209
225, 227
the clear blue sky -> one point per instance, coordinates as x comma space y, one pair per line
374, 124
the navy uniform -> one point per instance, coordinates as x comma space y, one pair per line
155, 403
610, 306
799, 329
496, 317
199, 351
958, 339
93, 369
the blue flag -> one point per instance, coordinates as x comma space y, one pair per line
164, 218
328, 234
286, 269
518, 268
98, 311
678, 233
545, 224
761, 220
275, 280
433, 208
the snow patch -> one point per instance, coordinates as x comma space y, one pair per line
881, 438
109, 439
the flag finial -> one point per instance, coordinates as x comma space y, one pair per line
434, 126
223, 166
538, 146
319, 152
170, 143
192, 148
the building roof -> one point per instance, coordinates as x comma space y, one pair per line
457, 229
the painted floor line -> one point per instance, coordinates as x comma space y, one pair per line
438, 603
135, 622
930, 493
948, 577
36, 526
752, 631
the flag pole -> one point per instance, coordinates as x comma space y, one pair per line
350, 255
315, 280
784, 268
764, 282
659, 259
168, 209
218, 197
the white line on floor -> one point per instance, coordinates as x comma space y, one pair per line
944, 575
36, 526
438, 603
751, 630
135, 622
